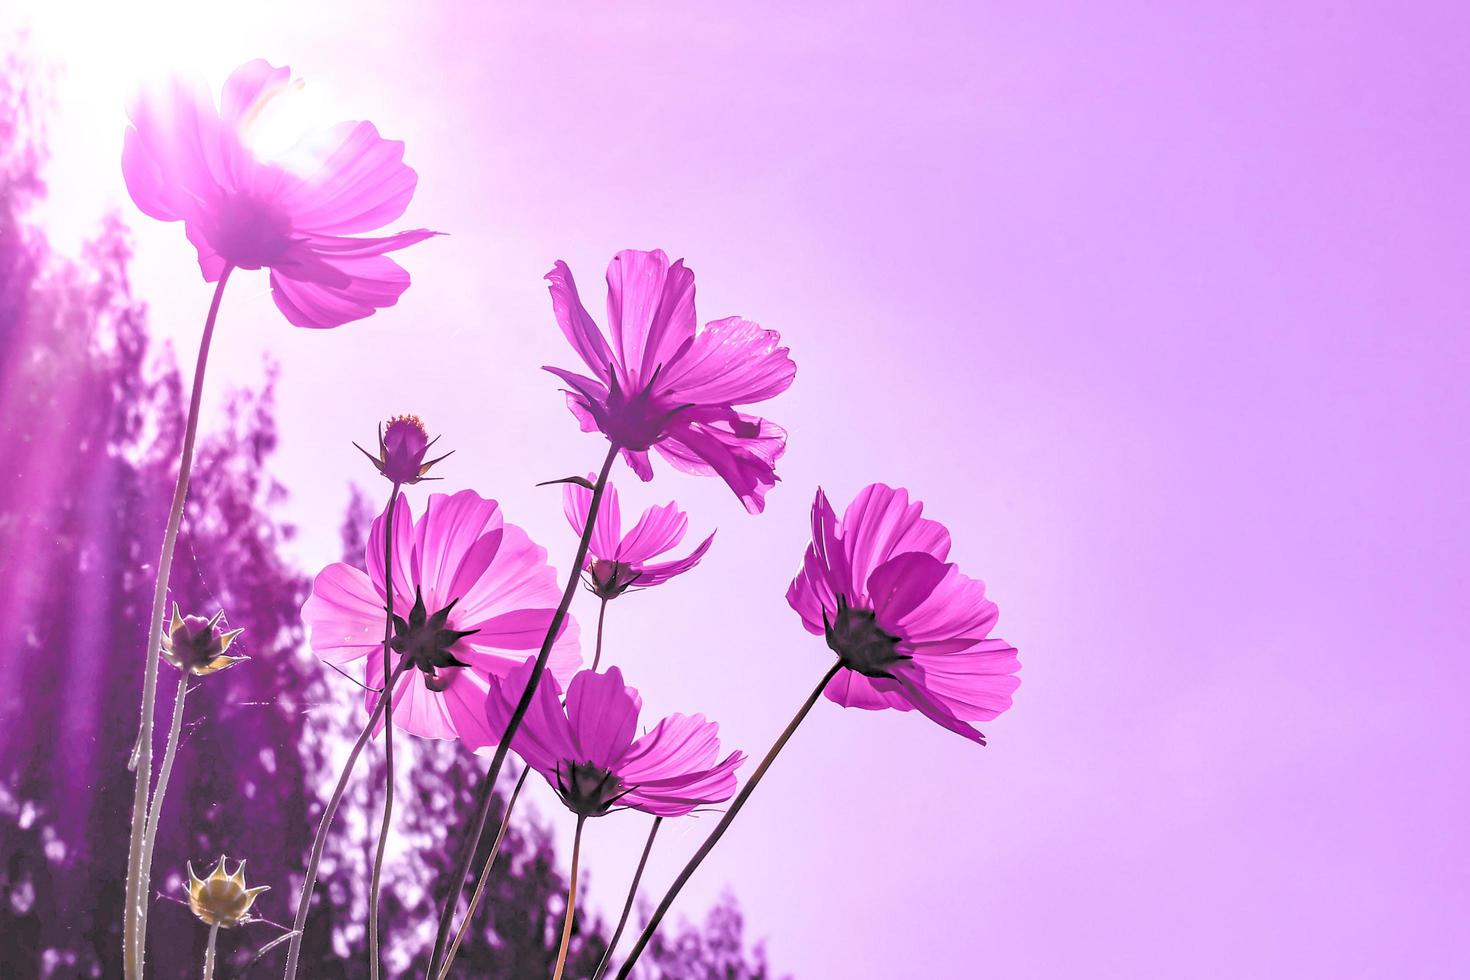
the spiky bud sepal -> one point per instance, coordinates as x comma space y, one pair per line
198, 645
401, 450
222, 899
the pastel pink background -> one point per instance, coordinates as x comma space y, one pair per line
1163, 312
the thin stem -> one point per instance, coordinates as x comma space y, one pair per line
487, 788
612, 943
135, 904
601, 614
388, 736
308, 884
464, 924
725, 821
209, 952
566, 929
155, 807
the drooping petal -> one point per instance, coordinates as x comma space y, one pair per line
649, 575
650, 309
638, 463
910, 679
881, 523
373, 283
416, 709
578, 327
604, 715
853, 690
742, 453
464, 702
974, 684
732, 362
343, 615
658, 530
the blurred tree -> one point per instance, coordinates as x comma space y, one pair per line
90, 423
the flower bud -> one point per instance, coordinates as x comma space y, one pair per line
221, 899
198, 645
401, 450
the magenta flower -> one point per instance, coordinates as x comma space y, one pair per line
476, 590
587, 751
184, 160
666, 387
911, 631
615, 561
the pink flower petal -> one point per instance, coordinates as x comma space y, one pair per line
604, 716
975, 684
900, 585
658, 530
853, 690
416, 709
403, 563
340, 615
171, 161
649, 575
464, 527
732, 362
361, 184
576, 501
745, 460
881, 523
677, 744
544, 739
578, 327
650, 308
638, 463
375, 282
824, 571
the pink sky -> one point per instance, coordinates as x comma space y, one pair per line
1163, 313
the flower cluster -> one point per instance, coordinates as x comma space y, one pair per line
460, 627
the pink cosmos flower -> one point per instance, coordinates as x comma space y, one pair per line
587, 751
666, 387
184, 160
470, 592
615, 561
912, 632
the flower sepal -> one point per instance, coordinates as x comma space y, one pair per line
401, 450
222, 899
197, 645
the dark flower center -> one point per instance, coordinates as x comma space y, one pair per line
855, 636
610, 579
636, 420
588, 790
248, 233
427, 642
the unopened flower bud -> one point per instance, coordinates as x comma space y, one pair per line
221, 899
401, 450
198, 645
